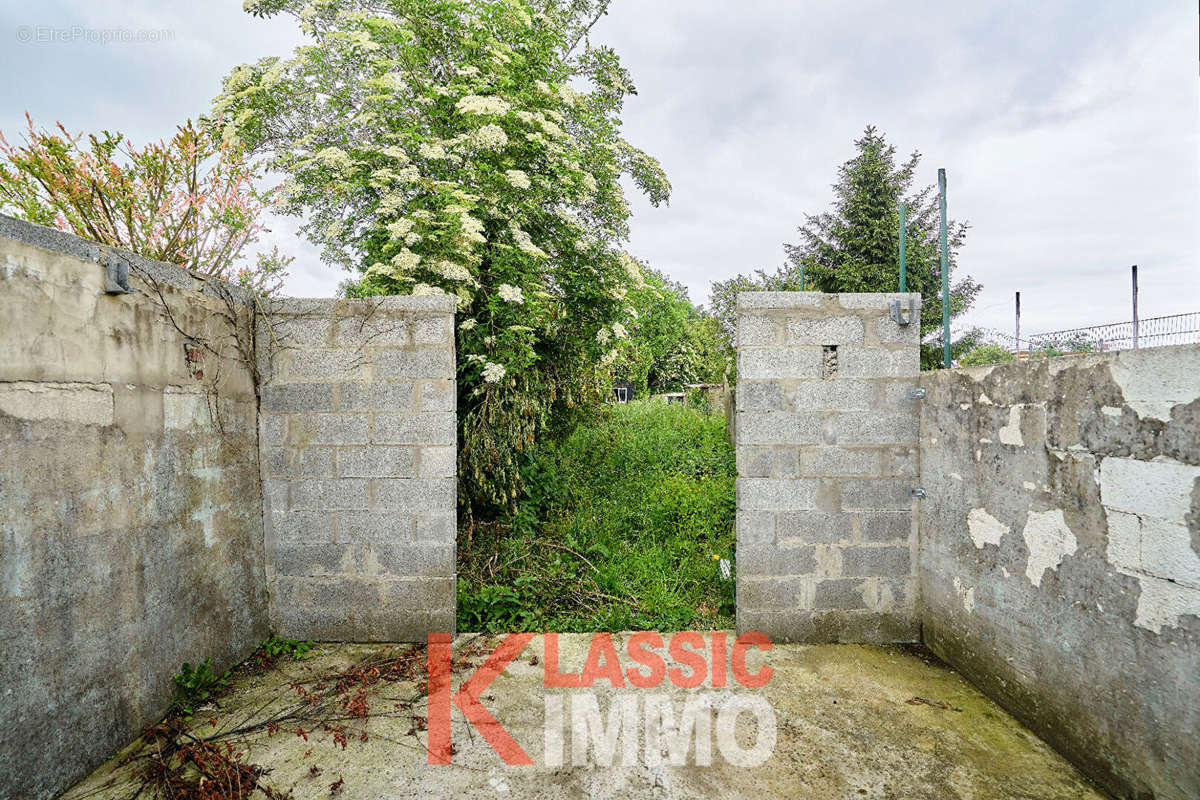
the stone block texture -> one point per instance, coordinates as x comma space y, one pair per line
826, 438
357, 425
1060, 553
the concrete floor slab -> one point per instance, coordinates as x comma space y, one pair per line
850, 722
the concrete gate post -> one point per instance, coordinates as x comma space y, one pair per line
357, 436
827, 427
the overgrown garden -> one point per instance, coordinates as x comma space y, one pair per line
474, 148
623, 527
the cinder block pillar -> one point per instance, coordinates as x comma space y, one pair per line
826, 455
357, 438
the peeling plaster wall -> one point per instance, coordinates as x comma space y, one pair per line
1060, 553
130, 516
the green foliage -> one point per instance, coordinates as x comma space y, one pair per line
473, 148
672, 342
1055, 349
723, 297
190, 201
1063, 347
854, 247
618, 530
195, 686
986, 354
933, 357
276, 646
1046, 351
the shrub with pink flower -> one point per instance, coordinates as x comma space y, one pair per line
190, 201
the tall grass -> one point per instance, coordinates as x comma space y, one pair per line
619, 530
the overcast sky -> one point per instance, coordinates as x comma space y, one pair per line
1070, 131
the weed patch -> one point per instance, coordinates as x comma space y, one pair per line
195, 686
622, 527
274, 648
207, 756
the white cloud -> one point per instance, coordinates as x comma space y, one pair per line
1070, 130
1070, 136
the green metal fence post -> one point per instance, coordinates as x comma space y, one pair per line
945, 270
802, 276
903, 236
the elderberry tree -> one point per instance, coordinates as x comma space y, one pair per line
472, 148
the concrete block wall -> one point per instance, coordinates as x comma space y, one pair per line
358, 438
1060, 553
130, 531
1057, 563
826, 439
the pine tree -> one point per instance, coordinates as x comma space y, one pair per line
854, 247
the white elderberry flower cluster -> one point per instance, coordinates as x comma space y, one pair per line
472, 229
396, 153
525, 243
336, 158
453, 272
400, 228
493, 372
517, 178
510, 294
490, 137
632, 268
393, 81
431, 150
390, 203
406, 260
483, 106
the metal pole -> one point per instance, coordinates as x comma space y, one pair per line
802, 276
1018, 323
1135, 319
945, 270
903, 243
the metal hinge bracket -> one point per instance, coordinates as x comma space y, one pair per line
898, 316
917, 491
116, 275
916, 393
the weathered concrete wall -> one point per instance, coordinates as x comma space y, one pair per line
130, 536
1060, 553
826, 456
358, 438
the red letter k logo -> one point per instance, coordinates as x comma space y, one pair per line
467, 699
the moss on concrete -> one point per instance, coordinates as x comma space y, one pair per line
852, 721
